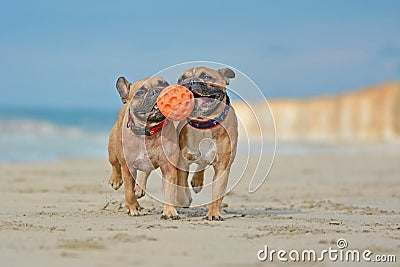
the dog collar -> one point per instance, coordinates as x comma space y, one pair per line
211, 123
148, 131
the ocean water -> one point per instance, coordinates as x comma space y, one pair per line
45, 134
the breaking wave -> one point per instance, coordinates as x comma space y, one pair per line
37, 140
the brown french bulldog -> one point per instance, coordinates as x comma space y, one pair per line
136, 143
115, 152
210, 136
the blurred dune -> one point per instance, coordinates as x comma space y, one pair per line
367, 115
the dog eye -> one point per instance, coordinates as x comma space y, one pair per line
139, 94
206, 77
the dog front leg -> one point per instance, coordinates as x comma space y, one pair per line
115, 179
220, 181
132, 206
169, 184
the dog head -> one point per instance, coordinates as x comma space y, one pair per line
142, 97
208, 87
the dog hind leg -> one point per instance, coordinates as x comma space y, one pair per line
198, 180
183, 195
141, 182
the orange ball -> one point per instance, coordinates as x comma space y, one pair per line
176, 102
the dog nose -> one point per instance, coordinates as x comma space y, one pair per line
193, 81
190, 82
155, 91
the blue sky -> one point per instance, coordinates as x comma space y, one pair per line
70, 53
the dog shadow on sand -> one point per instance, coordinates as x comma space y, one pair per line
200, 212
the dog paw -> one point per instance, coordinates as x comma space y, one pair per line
169, 212
115, 183
196, 185
139, 192
173, 217
214, 218
133, 210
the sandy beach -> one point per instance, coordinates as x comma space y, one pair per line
315, 86
64, 213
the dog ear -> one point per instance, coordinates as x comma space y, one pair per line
123, 88
180, 79
227, 74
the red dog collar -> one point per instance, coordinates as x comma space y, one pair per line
148, 131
